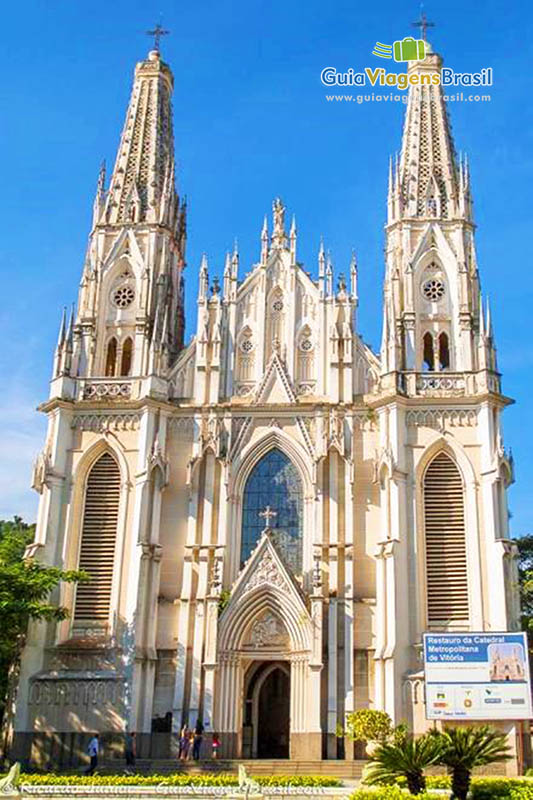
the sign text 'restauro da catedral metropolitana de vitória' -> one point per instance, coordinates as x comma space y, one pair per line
477, 676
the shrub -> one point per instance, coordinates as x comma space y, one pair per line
178, 779
408, 758
389, 793
464, 748
368, 725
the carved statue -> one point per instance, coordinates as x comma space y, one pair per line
246, 784
9, 784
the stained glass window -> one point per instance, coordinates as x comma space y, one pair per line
274, 482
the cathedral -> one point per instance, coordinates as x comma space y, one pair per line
273, 514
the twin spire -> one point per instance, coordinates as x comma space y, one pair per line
426, 181
142, 186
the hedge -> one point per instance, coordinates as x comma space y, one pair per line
179, 779
497, 788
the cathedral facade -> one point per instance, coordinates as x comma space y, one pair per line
271, 515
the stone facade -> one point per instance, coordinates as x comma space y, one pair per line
325, 606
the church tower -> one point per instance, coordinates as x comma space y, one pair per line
439, 413
101, 472
129, 320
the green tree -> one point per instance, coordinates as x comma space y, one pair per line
25, 594
464, 748
405, 756
368, 725
525, 583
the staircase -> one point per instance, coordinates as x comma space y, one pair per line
164, 766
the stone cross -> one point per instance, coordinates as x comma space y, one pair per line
268, 514
157, 33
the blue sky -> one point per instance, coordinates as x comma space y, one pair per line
251, 122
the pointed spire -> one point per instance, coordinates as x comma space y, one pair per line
489, 321
482, 329
204, 279
70, 331
329, 276
264, 241
62, 329
292, 239
321, 259
424, 157
146, 151
353, 276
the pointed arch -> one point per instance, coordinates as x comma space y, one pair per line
445, 543
127, 357
106, 445
242, 465
428, 355
239, 617
444, 351
456, 453
111, 358
274, 482
98, 542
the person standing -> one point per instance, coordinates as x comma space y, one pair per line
190, 746
184, 743
129, 749
216, 745
198, 736
93, 750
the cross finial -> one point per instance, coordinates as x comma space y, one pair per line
268, 514
423, 23
157, 33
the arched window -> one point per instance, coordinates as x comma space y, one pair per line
429, 357
274, 482
444, 351
444, 523
111, 358
127, 352
98, 538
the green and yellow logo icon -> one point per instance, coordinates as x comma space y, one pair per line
382, 50
407, 49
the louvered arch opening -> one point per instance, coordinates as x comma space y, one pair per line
444, 522
98, 539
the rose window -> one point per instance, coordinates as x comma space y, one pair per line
433, 289
123, 296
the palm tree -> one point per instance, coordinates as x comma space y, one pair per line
465, 748
407, 757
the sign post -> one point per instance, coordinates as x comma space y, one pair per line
477, 676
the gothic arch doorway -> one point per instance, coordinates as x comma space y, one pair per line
266, 731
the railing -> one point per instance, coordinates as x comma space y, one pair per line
447, 384
450, 383
105, 389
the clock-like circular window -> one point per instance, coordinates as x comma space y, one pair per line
306, 345
247, 345
433, 289
123, 296
277, 305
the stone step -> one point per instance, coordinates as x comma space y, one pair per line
165, 766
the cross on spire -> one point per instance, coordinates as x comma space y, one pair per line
268, 514
423, 23
157, 33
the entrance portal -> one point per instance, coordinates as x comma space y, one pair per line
268, 711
